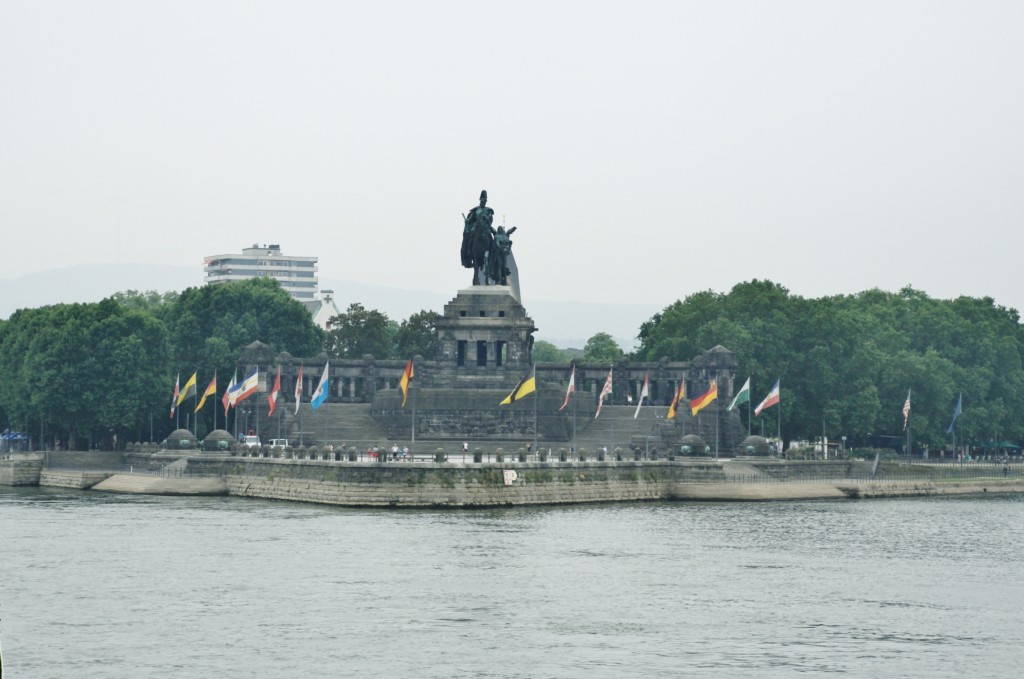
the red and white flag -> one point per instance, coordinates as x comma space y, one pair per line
644, 393
906, 411
605, 391
228, 399
298, 390
272, 399
174, 399
570, 390
771, 399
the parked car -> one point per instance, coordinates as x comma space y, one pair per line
251, 442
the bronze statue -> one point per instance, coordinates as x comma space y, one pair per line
485, 250
477, 238
497, 257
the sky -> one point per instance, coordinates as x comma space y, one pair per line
644, 150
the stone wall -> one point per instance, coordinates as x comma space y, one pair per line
21, 470
84, 459
61, 478
810, 469
457, 485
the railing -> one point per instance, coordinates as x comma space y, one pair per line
993, 474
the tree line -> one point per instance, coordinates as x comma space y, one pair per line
847, 362
81, 373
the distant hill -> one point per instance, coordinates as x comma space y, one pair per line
565, 324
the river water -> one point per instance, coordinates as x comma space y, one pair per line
112, 586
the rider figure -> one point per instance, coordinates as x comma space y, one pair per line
477, 235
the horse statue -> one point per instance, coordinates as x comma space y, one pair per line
478, 239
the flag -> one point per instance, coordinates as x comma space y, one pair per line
526, 386
174, 397
570, 390
211, 390
701, 402
680, 393
248, 387
228, 400
644, 393
606, 390
298, 390
906, 410
275, 392
321, 391
189, 390
771, 399
741, 397
403, 383
956, 412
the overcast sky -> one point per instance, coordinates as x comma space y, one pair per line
645, 150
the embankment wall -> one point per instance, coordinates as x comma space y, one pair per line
67, 478
459, 485
21, 470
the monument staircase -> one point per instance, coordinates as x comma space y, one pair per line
336, 423
615, 428
353, 425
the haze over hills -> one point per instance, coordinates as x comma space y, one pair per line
563, 323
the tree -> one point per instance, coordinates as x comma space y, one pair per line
240, 313
360, 331
546, 352
602, 348
848, 360
417, 335
84, 370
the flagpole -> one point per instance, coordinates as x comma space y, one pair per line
536, 399
215, 399
195, 402
718, 416
748, 414
910, 424
781, 444
257, 400
574, 423
611, 400
413, 427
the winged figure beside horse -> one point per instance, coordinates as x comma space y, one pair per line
486, 250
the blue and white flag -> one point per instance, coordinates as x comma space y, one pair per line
320, 395
956, 412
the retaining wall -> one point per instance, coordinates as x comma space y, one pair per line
22, 470
459, 485
62, 478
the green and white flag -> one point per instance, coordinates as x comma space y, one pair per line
742, 396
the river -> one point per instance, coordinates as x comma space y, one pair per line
111, 586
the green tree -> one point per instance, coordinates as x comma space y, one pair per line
602, 348
360, 331
848, 360
546, 352
417, 335
84, 371
240, 313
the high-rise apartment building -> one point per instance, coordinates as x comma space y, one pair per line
297, 275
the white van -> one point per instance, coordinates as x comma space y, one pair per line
251, 442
